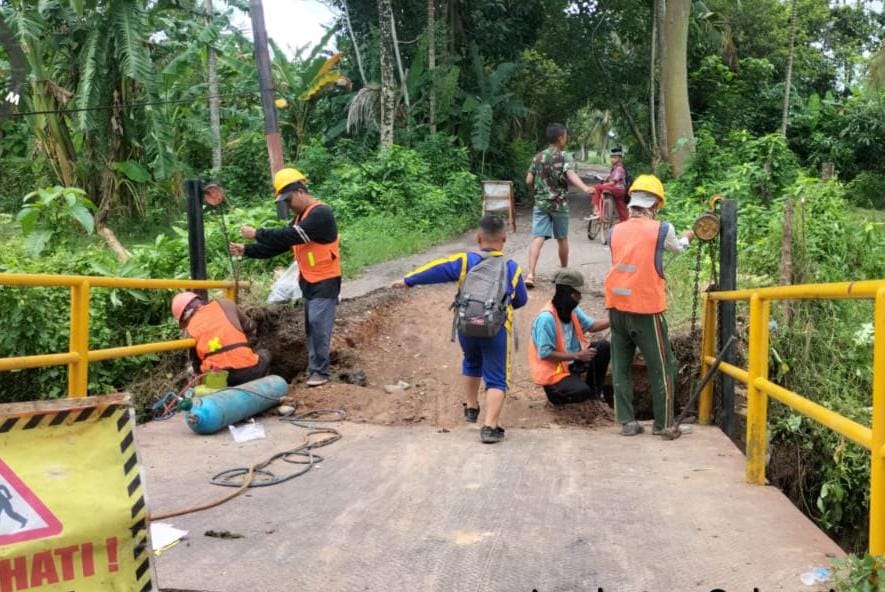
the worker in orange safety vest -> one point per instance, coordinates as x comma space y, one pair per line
220, 329
570, 368
636, 298
313, 239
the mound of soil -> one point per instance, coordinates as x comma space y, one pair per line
402, 340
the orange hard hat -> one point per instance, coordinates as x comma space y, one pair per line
180, 302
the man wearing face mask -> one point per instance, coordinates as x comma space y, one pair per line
561, 359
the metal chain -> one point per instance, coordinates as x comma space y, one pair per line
696, 295
234, 263
694, 317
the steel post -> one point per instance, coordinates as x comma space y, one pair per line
708, 342
727, 319
757, 400
196, 238
78, 372
877, 461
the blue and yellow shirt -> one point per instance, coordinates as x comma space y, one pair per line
455, 267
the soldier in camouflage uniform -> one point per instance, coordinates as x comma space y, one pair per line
549, 175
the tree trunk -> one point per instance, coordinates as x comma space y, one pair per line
637, 133
356, 46
399, 66
787, 83
214, 97
660, 11
786, 266
651, 90
431, 60
680, 135
388, 82
113, 243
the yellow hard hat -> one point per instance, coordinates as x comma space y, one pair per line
285, 177
648, 184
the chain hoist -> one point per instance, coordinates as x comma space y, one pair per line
706, 229
213, 194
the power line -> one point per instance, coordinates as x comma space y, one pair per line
121, 105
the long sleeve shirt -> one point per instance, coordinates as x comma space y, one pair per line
455, 267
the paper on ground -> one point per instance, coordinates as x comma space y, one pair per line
164, 535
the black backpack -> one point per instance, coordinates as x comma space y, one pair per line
628, 179
481, 302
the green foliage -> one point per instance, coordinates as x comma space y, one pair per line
868, 190
858, 573
48, 212
399, 182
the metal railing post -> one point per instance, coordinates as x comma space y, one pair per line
757, 401
708, 341
78, 372
877, 461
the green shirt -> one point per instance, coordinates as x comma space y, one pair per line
549, 168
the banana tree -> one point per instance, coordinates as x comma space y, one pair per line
492, 101
301, 81
92, 80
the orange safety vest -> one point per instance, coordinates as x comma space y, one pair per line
544, 371
636, 280
220, 345
316, 262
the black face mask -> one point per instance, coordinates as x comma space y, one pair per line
564, 303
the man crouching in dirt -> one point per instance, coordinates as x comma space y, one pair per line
559, 352
313, 238
489, 288
221, 330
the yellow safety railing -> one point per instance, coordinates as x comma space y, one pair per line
759, 388
79, 355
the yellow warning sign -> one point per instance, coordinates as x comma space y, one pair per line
72, 508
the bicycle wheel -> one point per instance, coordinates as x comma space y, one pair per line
607, 216
593, 227
611, 213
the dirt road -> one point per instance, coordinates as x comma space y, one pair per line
405, 337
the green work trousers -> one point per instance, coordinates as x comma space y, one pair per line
648, 332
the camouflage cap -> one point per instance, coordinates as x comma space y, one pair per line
569, 277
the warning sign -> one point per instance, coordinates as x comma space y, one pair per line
72, 509
23, 517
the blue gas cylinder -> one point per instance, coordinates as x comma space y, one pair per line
229, 405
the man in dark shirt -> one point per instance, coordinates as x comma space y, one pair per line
313, 239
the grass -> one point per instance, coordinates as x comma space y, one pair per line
377, 239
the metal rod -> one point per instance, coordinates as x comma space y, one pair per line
708, 376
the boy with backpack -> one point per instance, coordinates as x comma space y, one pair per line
490, 287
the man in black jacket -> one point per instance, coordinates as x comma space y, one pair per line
313, 239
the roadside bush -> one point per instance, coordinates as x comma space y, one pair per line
867, 190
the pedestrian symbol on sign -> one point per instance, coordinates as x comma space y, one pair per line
23, 517
6, 507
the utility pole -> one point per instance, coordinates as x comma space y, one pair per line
265, 83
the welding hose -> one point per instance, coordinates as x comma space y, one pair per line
249, 473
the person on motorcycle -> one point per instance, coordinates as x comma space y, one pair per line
614, 183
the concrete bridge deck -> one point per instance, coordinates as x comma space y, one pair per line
410, 508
